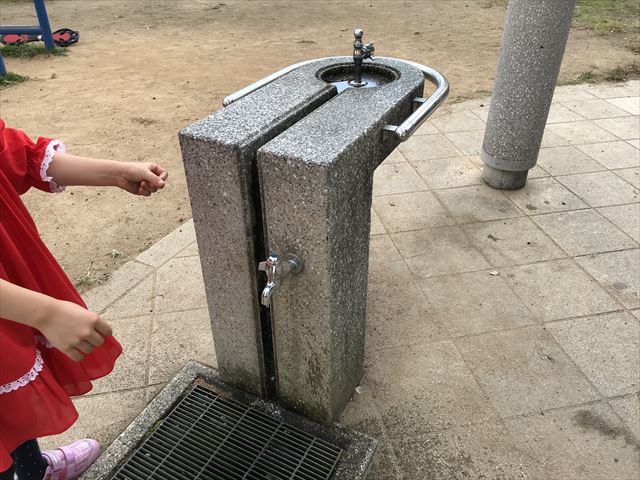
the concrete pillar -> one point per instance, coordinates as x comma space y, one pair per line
533, 44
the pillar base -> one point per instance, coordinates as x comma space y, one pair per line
503, 179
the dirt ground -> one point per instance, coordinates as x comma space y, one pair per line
144, 69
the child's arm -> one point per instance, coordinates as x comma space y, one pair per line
136, 178
70, 328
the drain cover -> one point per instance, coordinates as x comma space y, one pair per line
208, 437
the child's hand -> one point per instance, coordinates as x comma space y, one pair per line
142, 178
73, 329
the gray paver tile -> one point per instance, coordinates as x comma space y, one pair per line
131, 368
514, 241
179, 285
631, 175
469, 142
177, 338
383, 466
600, 189
595, 109
606, 348
570, 93
544, 195
438, 251
625, 217
395, 157
558, 289
583, 232
137, 302
462, 453
626, 128
634, 143
628, 408
612, 154
537, 172
398, 313
102, 417
190, 251
628, 104
127, 276
477, 203
581, 443
361, 412
525, 371
458, 122
482, 113
426, 147
581, 132
475, 302
559, 113
619, 272
448, 172
420, 389
376, 225
382, 250
565, 160
551, 139
612, 91
396, 178
426, 128
169, 246
411, 211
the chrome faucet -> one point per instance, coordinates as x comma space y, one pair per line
361, 51
277, 268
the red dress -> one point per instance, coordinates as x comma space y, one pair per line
36, 380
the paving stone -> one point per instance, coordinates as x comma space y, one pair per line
634, 143
482, 113
169, 246
626, 128
625, 217
477, 203
606, 348
439, 251
558, 113
425, 147
411, 211
612, 154
550, 139
398, 313
513, 241
458, 122
382, 250
631, 175
137, 302
376, 225
524, 371
583, 232
448, 172
383, 466
361, 412
179, 285
565, 160
628, 104
537, 172
544, 195
468, 142
420, 390
558, 289
176, 338
426, 128
586, 442
628, 408
570, 93
152, 390
190, 251
462, 453
396, 178
127, 276
595, 109
612, 91
600, 189
618, 272
581, 132
102, 417
394, 157
475, 302
131, 368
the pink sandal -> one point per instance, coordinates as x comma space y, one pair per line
68, 463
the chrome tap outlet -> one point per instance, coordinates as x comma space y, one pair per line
278, 268
361, 51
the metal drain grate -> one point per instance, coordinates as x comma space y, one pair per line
208, 437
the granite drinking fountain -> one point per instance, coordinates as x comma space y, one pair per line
280, 182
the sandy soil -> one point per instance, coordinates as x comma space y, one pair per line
145, 69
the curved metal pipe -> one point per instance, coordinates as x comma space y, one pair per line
401, 132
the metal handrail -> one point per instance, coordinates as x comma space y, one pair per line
401, 132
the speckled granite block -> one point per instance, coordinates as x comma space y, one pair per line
316, 180
533, 44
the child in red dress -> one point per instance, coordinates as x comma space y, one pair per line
51, 345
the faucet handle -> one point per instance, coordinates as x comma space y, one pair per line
277, 269
367, 50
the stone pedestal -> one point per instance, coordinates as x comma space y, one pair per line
533, 44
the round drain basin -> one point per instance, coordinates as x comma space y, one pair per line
374, 75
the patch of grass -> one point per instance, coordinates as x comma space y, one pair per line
90, 279
594, 75
12, 79
30, 50
608, 16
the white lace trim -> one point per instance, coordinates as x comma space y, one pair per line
53, 147
28, 377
